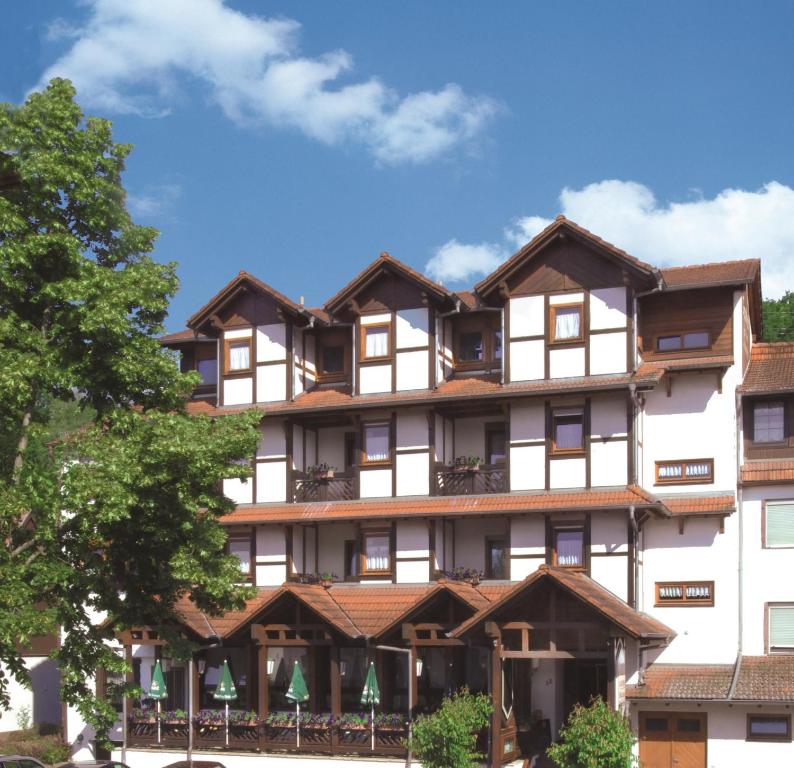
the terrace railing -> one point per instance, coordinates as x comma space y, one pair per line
466, 481
336, 488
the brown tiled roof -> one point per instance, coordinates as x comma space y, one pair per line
186, 335
771, 369
366, 274
684, 505
457, 506
373, 607
765, 678
209, 626
685, 364
717, 273
469, 298
684, 681
609, 605
483, 386
771, 471
537, 242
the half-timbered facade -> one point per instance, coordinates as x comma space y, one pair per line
576, 479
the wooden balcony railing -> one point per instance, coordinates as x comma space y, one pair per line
337, 488
487, 478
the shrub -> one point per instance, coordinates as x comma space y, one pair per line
447, 738
48, 749
594, 736
23, 718
54, 752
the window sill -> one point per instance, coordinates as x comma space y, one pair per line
566, 342
375, 465
698, 481
371, 360
236, 373
567, 454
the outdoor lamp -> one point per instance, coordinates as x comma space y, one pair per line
271, 665
343, 667
419, 666
201, 665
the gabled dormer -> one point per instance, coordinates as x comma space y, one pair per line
257, 330
395, 313
568, 297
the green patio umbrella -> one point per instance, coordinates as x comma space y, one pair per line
297, 692
158, 691
371, 695
226, 692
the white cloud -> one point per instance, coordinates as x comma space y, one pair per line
456, 262
129, 57
735, 224
153, 201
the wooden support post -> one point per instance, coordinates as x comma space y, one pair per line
336, 691
496, 698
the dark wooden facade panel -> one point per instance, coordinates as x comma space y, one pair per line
248, 308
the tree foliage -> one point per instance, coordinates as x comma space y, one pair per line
779, 318
119, 516
595, 736
447, 738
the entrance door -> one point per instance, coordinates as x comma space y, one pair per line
672, 740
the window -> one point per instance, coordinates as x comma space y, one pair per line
238, 355
333, 359
375, 341
768, 727
569, 547
778, 524
688, 471
376, 552
208, 370
497, 345
376, 443
240, 547
780, 626
768, 423
684, 593
689, 340
351, 559
471, 347
496, 557
567, 430
566, 322
495, 444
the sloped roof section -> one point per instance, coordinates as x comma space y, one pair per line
691, 682
244, 280
386, 262
695, 505
411, 506
769, 472
741, 272
540, 240
765, 678
771, 369
183, 336
601, 600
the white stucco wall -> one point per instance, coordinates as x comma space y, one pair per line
271, 555
41, 699
375, 378
375, 483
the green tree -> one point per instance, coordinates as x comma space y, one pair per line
779, 318
120, 517
595, 736
447, 738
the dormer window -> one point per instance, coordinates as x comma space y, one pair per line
471, 347
566, 322
682, 341
238, 355
375, 341
769, 422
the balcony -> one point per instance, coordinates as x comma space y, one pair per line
324, 487
470, 481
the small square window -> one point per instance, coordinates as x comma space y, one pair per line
238, 355
377, 442
471, 347
208, 369
567, 431
496, 557
240, 547
768, 422
768, 727
569, 547
375, 341
566, 322
781, 628
778, 524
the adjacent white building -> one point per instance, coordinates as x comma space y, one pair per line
575, 480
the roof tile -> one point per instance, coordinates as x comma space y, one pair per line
717, 273
771, 369
770, 472
683, 505
684, 681
765, 678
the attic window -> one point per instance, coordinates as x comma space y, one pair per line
238, 355
566, 322
375, 341
689, 340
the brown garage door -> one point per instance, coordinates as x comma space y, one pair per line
672, 740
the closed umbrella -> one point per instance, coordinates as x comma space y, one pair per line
158, 691
371, 695
297, 692
226, 692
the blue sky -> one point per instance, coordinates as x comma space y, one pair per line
298, 140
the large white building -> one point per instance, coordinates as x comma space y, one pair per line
575, 480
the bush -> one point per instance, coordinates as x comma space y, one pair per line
595, 736
448, 737
54, 752
48, 749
